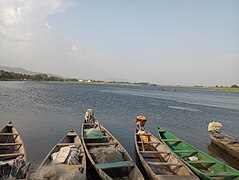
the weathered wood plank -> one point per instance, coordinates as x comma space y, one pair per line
118, 164
185, 151
163, 164
68, 144
154, 152
101, 144
149, 142
12, 154
201, 162
8, 134
10, 144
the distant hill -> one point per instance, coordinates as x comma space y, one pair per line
23, 71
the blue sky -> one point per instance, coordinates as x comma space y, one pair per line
166, 42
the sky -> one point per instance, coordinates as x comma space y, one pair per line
170, 42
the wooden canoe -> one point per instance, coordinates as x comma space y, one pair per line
71, 140
158, 161
11, 144
205, 166
227, 143
125, 169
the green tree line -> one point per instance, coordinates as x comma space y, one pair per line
11, 76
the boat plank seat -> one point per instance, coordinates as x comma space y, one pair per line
89, 124
161, 131
172, 140
150, 142
101, 144
10, 144
154, 152
163, 164
74, 135
201, 162
179, 177
68, 144
185, 151
9, 125
12, 154
118, 164
8, 134
145, 134
223, 174
98, 137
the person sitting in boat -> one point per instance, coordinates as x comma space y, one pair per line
89, 117
140, 122
214, 128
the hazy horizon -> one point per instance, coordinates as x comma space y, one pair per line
164, 42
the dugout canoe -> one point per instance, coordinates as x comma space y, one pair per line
12, 146
157, 159
70, 140
205, 166
124, 169
227, 143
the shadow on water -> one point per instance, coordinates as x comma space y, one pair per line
220, 154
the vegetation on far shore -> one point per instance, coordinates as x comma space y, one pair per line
232, 88
11, 76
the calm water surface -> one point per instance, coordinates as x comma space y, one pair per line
44, 112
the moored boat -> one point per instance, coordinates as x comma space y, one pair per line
157, 159
109, 158
226, 142
205, 166
12, 154
66, 159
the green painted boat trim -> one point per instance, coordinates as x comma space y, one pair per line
206, 167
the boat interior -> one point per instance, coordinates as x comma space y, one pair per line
160, 159
196, 159
71, 139
10, 143
123, 169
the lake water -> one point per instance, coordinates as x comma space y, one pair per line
44, 112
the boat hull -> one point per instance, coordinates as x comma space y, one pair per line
205, 166
154, 152
109, 170
70, 139
227, 145
12, 146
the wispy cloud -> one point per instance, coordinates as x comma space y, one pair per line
29, 41
20, 19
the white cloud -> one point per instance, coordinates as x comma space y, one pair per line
19, 19
28, 41
47, 25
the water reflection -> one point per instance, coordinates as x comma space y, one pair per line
218, 153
